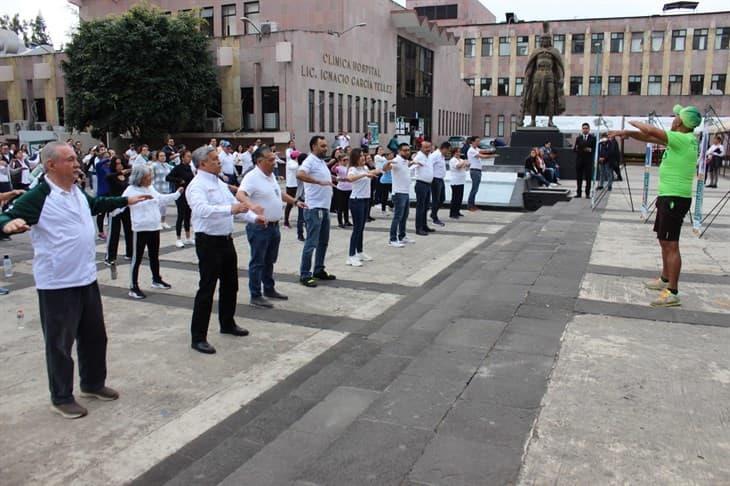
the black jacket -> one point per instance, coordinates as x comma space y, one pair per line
584, 148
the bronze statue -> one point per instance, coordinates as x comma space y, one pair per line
543, 91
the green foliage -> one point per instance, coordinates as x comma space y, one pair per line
143, 72
38, 33
20, 27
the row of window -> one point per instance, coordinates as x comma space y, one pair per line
654, 86
452, 123
597, 42
38, 107
230, 23
500, 125
327, 110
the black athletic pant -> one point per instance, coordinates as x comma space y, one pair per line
100, 221
457, 196
68, 315
584, 171
118, 222
385, 190
217, 260
183, 215
151, 241
291, 191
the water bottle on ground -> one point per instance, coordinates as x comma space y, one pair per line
7, 266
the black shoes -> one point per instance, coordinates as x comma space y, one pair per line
161, 284
275, 295
430, 230
421, 233
203, 347
439, 222
104, 394
300, 237
310, 282
235, 330
136, 293
260, 302
324, 276
69, 410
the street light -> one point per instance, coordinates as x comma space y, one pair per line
340, 34
247, 20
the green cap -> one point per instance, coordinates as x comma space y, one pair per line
690, 115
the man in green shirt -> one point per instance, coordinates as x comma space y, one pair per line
676, 174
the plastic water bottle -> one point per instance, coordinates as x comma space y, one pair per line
20, 315
7, 266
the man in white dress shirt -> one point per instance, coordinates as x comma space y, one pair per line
213, 206
228, 163
424, 177
438, 188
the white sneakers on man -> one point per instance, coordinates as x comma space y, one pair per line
353, 261
407, 240
396, 244
165, 226
189, 242
363, 257
179, 244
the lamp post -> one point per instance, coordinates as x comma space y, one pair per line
250, 22
340, 34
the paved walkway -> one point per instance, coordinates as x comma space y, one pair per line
510, 347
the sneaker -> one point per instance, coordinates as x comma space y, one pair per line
308, 281
69, 410
396, 244
189, 242
136, 293
300, 237
364, 257
101, 236
261, 302
407, 240
105, 394
109, 263
165, 226
179, 244
324, 276
656, 284
666, 299
127, 257
161, 284
353, 261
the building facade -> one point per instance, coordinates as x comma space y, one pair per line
613, 66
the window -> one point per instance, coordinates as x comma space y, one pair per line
252, 11
637, 41
487, 45
500, 126
321, 111
519, 84
617, 42
385, 116
655, 86
594, 85
657, 41
349, 113
597, 42
504, 46
62, 113
340, 121
228, 20
512, 123
373, 115
634, 85
614, 85
523, 43
487, 126
357, 114
485, 87
310, 112
206, 13
247, 102
675, 84
576, 86
470, 82
380, 113
696, 84
722, 38
699, 41
364, 114
502, 86
439, 12
678, 39
331, 99
578, 44
39, 106
5, 111
270, 107
470, 47
717, 84
559, 42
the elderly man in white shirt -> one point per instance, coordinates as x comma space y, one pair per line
64, 268
228, 163
424, 177
213, 207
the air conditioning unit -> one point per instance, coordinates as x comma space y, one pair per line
41, 126
21, 125
214, 124
268, 27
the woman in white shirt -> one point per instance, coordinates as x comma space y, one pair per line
715, 156
360, 176
458, 168
146, 226
292, 166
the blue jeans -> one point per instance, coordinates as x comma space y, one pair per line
359, 209
423, 196
318, 237
605, 174
476, 179
400, 216
264, 242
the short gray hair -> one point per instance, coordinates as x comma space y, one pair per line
200, 154
138, 173
50, 152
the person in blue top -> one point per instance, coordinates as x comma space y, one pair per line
103, 169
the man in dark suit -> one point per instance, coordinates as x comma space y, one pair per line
584, 148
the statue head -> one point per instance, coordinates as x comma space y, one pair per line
546, 41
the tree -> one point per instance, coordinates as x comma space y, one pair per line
143, 72
38, 34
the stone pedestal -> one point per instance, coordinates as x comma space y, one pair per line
524, 138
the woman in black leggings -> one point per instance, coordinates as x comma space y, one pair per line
181, 175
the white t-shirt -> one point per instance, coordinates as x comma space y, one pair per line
439, 164
472, 156
228, 163
458, 176
401, 175
424, 169
317, 196
292, 166
264, 191
361, 187
246, 161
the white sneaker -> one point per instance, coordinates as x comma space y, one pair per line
354, 261
189, 242
363, 257
396, 244
166, 226
407, 240
180, 244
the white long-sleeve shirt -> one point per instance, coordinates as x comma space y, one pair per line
145, 215
210, 201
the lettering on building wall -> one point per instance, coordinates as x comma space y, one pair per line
356, 79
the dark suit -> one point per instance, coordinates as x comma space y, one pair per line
614, 158
584, 148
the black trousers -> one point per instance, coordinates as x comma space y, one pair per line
291, 191
68, 315
217, 260
423, 196
457, 196
584, 171
118, 222
151, 241
183, 215
438, 189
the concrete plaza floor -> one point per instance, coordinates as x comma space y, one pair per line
507, 347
